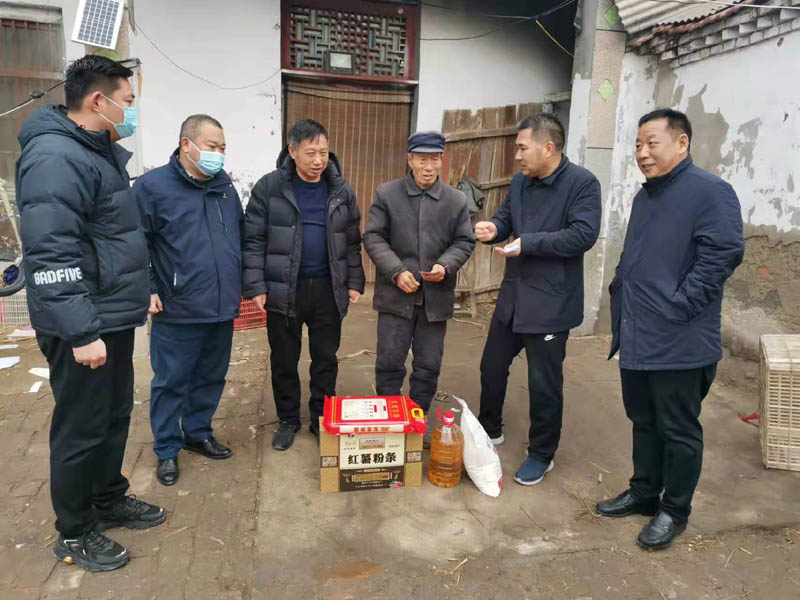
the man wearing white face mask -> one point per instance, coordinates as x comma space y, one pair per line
191, 216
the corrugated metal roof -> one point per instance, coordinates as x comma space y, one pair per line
637, 15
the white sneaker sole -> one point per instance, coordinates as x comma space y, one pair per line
547, 470
498, 441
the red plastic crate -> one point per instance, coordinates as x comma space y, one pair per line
249, 316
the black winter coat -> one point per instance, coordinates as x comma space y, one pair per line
85, 256
272, 241
397, 240
684, 240
542, 290
193, 231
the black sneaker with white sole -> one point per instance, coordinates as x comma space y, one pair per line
92, 551
131, 513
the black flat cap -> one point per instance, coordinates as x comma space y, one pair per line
426, 142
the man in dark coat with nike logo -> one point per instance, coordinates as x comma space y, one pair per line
552, 211
302, 264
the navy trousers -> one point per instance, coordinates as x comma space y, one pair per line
189, 367
396, 336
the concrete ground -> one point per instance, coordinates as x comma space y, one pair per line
257, 526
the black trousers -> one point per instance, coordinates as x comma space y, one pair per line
396, 336
664, 407
316, 308
89, 429
545, 354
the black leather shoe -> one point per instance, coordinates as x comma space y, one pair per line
284, 435
168, 472
209, 448
625, 504
660, 532
314, 429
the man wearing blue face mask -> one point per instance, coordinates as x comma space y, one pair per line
191, 216
85, 261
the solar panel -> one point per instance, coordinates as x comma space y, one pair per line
97, 22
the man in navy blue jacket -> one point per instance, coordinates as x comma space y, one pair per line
684, 240
553, 212
192, 218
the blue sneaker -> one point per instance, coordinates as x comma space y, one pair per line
532, 471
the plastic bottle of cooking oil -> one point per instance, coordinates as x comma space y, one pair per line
447, 452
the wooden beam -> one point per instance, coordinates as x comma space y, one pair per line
464, 136
559, 97
488, 185
30, 73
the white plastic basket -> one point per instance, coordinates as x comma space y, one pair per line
14, 309
779, 410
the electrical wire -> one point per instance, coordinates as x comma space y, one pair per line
32, 97
491, 31
554, 40
200, 77
719, 2
461, 10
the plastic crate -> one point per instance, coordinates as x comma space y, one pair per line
14, 309
779, 410
249, 316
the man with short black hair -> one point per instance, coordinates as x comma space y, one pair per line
192, 217
85, 261
302, 264
553, 213
418, 235
684, 240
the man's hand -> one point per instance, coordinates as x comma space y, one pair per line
355, 296
485, 231
155, 305
512, 249
407, 282
92, 355
436, 275
260, 302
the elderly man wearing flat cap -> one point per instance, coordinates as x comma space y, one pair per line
418, 235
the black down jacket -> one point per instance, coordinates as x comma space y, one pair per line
85, 256
273, 238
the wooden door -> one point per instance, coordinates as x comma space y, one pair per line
368, 129
30, 59
481, 145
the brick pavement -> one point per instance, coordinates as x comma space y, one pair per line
204, 549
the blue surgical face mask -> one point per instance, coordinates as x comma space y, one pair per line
210, 163
130, 120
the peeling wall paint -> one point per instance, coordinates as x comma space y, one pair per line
745, 112
579, 118
240, 45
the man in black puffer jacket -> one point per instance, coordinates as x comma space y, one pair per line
302, 264
85, 261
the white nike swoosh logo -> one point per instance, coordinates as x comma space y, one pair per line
547, 338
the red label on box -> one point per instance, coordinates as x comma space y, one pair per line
372, 414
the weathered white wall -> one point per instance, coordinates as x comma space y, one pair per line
515, 65
745, 111
233, 44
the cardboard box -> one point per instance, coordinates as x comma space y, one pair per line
370, 443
